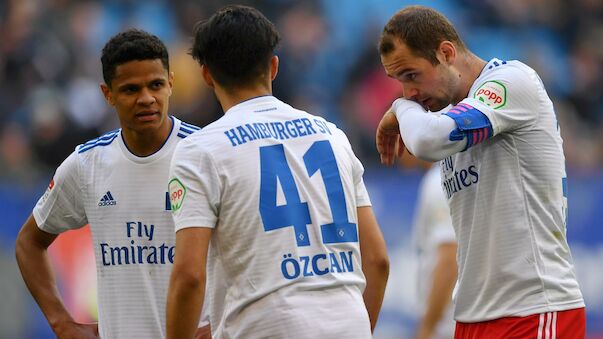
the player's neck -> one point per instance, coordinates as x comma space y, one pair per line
231, 97
145, 143
470, 66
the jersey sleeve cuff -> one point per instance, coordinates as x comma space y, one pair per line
40, 222
194, 222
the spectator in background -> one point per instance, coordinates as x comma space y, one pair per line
41, 52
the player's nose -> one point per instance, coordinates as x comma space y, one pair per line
146, 97
410, 92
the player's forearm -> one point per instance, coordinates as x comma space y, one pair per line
184, 304
376, 274
425, 135
375, 263
33, 261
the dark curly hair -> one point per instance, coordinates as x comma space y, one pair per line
133, 44
235, 44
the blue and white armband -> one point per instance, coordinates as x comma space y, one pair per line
471, 123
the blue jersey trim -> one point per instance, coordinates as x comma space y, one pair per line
104, 140
187, 129
471, 124
196, 128
103, 137
496, 64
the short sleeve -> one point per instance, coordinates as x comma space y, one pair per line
194, 187
508, 97
362, 196
61, 207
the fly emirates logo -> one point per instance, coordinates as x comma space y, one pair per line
454, 180
141, 249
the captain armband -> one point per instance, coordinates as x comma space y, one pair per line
471, 124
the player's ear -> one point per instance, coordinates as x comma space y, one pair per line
107, 93
171, 81
273, 67
209, 80
446, 52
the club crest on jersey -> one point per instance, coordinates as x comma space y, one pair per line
107, 200
177, 193
492, 93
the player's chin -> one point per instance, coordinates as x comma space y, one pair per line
147, 126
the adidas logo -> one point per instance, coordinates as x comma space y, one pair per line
107, 200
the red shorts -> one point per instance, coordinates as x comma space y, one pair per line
570, 324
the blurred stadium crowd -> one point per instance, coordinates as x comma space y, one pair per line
50, 101
50, 67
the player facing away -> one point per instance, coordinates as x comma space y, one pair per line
503, 172
436, 245
116, 183
277, 196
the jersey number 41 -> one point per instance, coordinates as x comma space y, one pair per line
275, 168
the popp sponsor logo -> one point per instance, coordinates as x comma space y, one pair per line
492, 93
177, 192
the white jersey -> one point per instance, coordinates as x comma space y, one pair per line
124, 198
432, 227
508, 199
281, 189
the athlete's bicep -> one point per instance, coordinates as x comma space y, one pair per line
31, 235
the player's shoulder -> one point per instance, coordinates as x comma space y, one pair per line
501, 78
184, 129
511, 72
330, 127
199, 139
99, 144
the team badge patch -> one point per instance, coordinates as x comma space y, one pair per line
177, 193
492, 93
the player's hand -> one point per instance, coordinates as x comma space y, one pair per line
388, 139
75, 330
203, 332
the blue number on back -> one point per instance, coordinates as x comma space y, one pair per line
273, 166
320, 156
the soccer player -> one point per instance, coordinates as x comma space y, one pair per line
277, 196
503, 173
436, 245
116, 183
